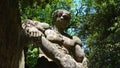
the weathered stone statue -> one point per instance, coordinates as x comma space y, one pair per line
63, 49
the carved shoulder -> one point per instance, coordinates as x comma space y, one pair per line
39, 25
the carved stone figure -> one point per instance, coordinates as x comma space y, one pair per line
63, 49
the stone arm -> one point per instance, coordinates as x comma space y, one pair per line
73, 44
54, 51
65, 60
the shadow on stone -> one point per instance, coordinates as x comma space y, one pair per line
43, 62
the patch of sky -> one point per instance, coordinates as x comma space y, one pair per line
79, 8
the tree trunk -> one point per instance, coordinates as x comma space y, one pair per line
10, 47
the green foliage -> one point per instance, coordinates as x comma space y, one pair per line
37, 13
31, 56
102, 27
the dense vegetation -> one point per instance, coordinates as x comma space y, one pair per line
96, 22
102, 26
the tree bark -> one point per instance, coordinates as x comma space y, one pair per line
10, 27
